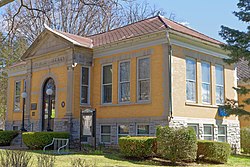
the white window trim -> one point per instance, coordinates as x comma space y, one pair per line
218, 85
119, 82
88, 100
122, 134
197, 127
142, 134
102, 100
208, 135
137, 80
15, 96
190, 80
105, 133
223, 135
206, 83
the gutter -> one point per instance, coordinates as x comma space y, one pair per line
170, 53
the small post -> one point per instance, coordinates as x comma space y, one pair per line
94, 127
49, 92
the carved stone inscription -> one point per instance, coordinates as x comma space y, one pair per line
48, 62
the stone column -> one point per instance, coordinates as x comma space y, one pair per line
70, 94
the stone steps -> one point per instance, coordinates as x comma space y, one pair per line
17, 142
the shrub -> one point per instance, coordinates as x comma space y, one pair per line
6, 137
176, 144
37, 140
213, 151
10, 158
245, 142
137, 147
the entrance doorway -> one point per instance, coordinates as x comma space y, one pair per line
48, 108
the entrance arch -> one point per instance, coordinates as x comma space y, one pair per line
49, 84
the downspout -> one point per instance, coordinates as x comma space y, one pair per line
170, 53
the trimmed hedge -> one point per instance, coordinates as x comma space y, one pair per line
213, 151
137, 147
245, 140
37, 140
6, 137
176, 144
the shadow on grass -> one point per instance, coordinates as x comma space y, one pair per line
241, 156
150, 161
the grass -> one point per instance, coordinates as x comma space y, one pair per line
115, 159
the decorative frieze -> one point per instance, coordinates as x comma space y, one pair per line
146, 52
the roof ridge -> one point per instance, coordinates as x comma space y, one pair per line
123, 26
191, 29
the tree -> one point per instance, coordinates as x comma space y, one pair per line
27, 17
10, 54
238, 44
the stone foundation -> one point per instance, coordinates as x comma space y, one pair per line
232, 126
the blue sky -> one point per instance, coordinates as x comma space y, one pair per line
205, 16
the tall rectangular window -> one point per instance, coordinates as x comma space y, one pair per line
107, 84
143, 74
190, 80
17, 96
219, 84
85, 85
208, 132
105, 133
205, 69
124, 81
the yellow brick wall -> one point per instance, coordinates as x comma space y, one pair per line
116, 110
59, 74
14, 115
198, 110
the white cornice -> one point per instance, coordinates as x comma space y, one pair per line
199, 49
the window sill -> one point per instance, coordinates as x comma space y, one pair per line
201, 105
85, 105
125, 104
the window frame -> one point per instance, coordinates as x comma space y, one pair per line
221, 86
101, 134
206, 83
15, 96
190, 80
119, 82
208, 135
222, 135
138, 80
197, 128
89, 73
102, 85
122, 135
137, 134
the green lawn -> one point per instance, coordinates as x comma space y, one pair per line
117, 160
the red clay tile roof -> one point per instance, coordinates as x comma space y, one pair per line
243, 70
143, 27
81, 40
147, 26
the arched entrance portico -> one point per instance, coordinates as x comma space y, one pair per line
47, 101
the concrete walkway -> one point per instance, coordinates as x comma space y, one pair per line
14, 147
